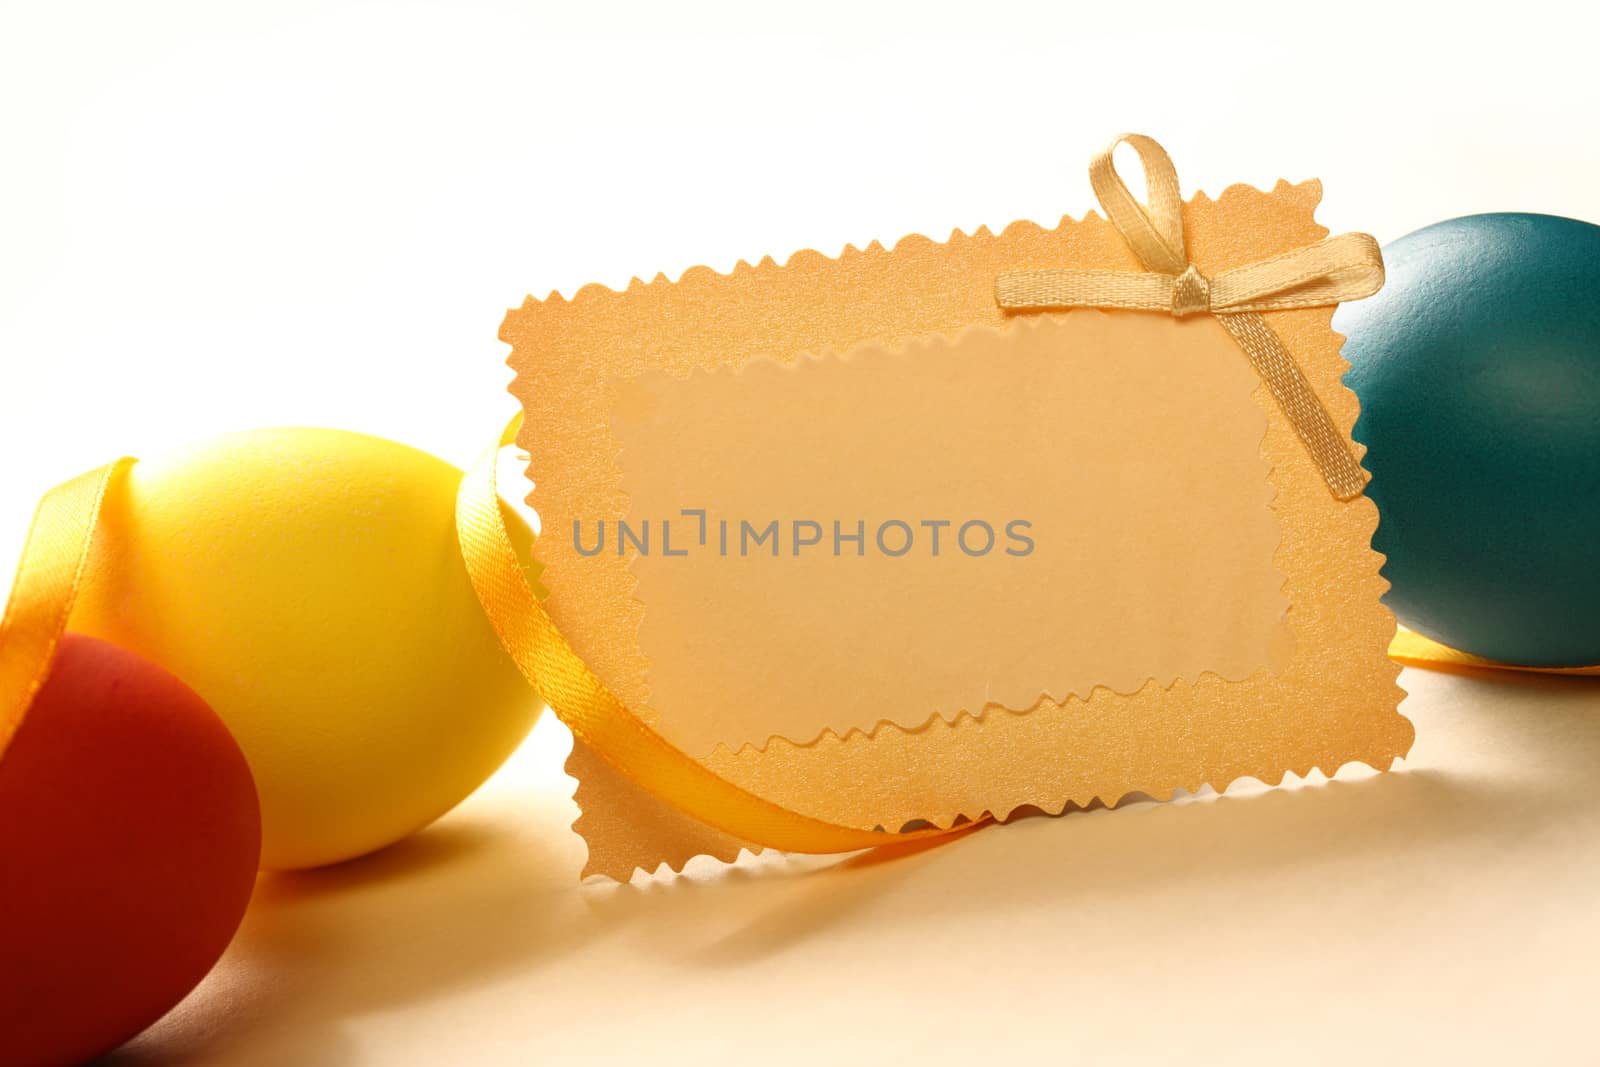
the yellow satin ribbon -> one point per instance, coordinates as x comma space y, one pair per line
1346, 267
1412, 649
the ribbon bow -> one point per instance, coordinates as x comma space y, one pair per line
1347, 267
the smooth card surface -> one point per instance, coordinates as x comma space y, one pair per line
907, 527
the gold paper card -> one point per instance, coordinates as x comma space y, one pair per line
873, 548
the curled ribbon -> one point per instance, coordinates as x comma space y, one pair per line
594, 714
1346, 267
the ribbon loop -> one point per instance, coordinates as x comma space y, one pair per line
1335, 269
1347, 267
1155, 234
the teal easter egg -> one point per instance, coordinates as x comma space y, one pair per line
1478, 369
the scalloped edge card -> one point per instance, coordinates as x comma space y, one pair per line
870, 546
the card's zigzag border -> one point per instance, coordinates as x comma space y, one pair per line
829, 734
591, 291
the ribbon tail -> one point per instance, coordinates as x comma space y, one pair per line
1328, 447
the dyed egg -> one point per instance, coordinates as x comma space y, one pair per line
129, 835
308, 584
1478, 369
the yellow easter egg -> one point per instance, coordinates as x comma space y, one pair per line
308, 585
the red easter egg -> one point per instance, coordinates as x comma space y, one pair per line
129, 839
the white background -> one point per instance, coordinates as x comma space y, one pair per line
216, 216
220, 216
